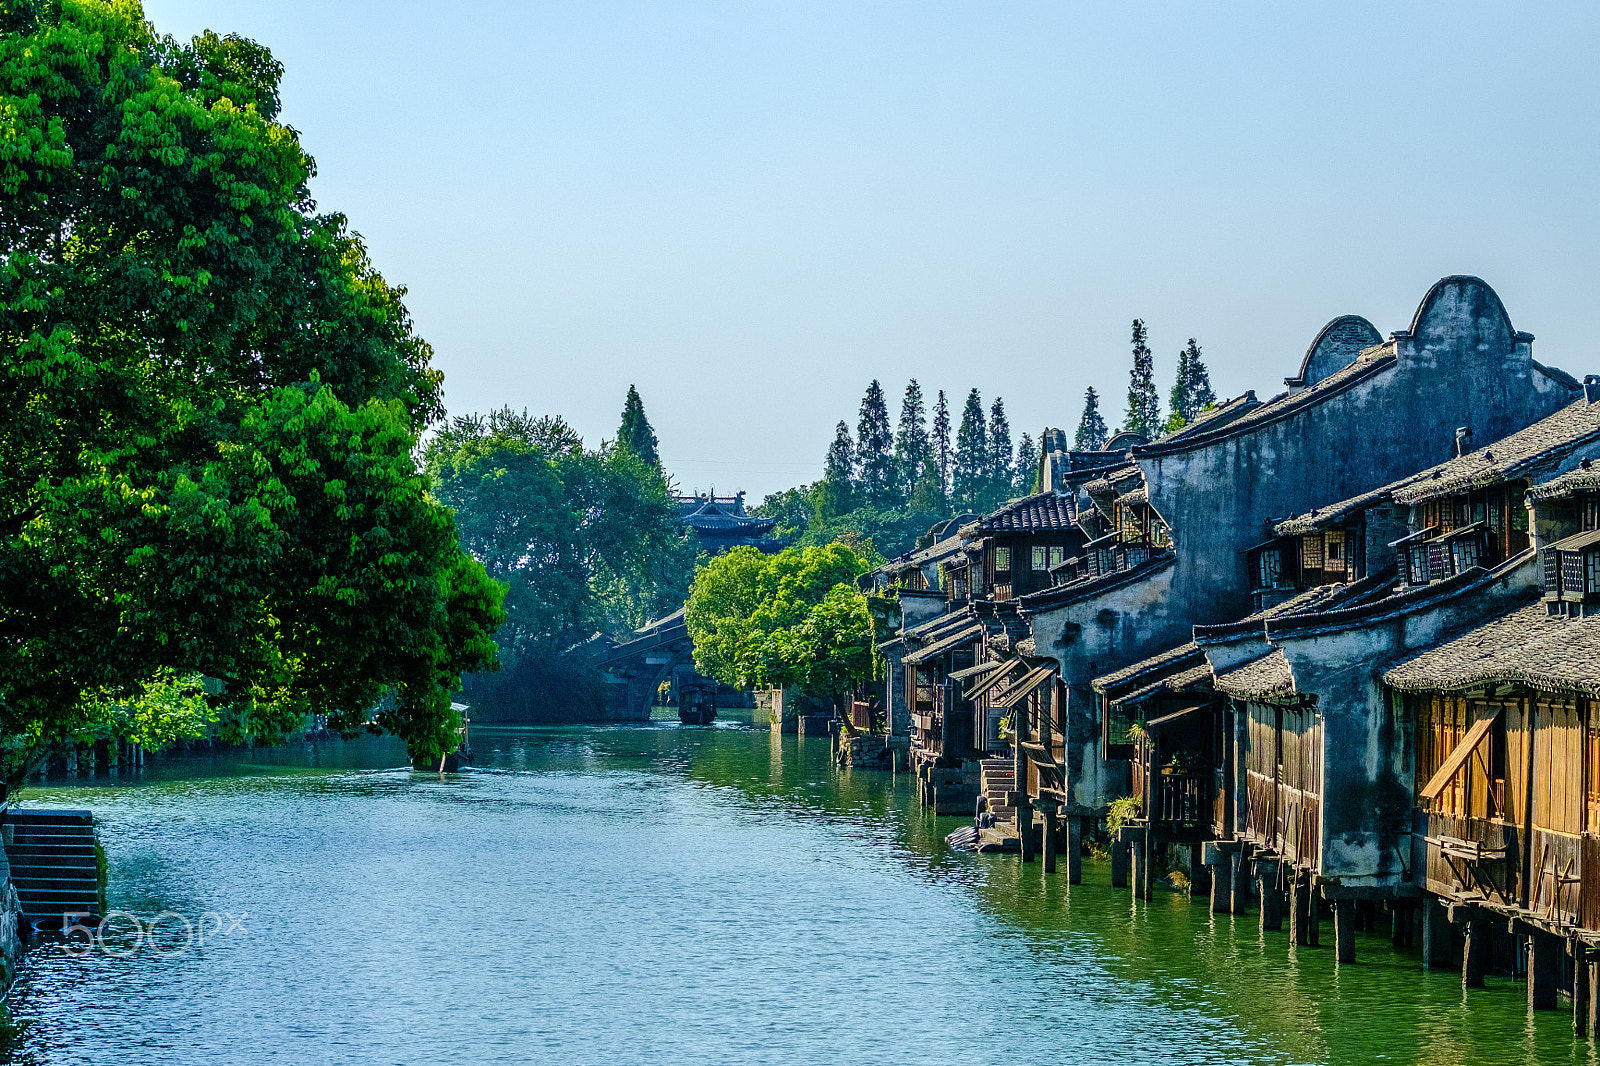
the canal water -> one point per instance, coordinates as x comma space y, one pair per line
658, 894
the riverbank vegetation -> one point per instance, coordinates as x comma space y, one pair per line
209, 405
794, 618
583, 540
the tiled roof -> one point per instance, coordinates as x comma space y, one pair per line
1268, 677
711, 516
1043, 511
954, 640
1216, 417
1551, 654
1110, 684
1141, 494
1583, 479
1083, 588
1547, 440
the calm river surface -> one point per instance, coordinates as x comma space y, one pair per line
658, 894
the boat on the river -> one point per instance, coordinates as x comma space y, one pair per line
697, 703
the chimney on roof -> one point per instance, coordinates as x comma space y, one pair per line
1463, 440
1591, 388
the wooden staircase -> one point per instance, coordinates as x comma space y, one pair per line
53, 864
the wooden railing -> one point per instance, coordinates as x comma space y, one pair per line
1182, 799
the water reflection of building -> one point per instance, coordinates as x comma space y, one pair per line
721, 522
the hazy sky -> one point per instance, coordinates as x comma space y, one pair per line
751, 209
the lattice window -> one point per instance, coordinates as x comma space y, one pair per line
1518, 511
1572, 573
1591, 566
1417, 564
1039, 557
1002, 560
1552, 572
1311, 552
1269, 568
1591, 511
1468, 553
1057, 554
1336, 554
1438, 561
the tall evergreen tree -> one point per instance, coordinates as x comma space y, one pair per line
971, 468
912, 448
635, 433
838, 489
1027, 465
1191, 392
1002, 460
1144, 402
874, 450
941, 441
1092, 432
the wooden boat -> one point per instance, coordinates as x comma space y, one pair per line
698, 714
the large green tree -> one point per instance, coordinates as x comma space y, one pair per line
912, 447
1191, 391
875, 450
794, 618
208, 405
1092, 433
973, 459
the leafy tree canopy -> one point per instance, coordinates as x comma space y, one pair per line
208, 405
635, 433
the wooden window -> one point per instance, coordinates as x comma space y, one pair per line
1311, 552
1468, 552
1039, 557
1002, 560
1551, 560
1517, 510
1591, 511
1057, 555
1441, 723
1496, 513
1557, 766
1269, 568
1335, 552
1591, 566
1417, 564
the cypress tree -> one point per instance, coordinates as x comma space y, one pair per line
941, 442
1002, 460
1191, 392
1027, 466
635, 433
874, 449
911, 445
1144, 403
839, 475
972, 458
1092, 432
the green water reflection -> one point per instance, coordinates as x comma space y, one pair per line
663, 894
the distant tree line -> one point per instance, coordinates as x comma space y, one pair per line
1191, 394
888, 485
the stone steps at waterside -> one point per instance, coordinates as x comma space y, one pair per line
52, 859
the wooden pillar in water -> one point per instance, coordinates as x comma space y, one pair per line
1299, 909
1119, 864
1544, 971
1345, 915
1580, 989
1047, 812
1313, 914
1025, 828
1438, 938
1239, 897
1592, 963
1074, 851
1475, 953
1222, 883
1144, 870
1271, 897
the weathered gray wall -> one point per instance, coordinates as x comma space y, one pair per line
1462, 365
1369, 752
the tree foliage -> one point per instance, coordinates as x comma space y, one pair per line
973, 459
1002, 460
1191, 391
794, 618
875, 450
1092, 432
943, 456
635, 433
912, 447
209, 401
1144, 403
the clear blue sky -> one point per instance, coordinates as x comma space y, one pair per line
751, 209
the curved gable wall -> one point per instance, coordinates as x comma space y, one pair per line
1335, 348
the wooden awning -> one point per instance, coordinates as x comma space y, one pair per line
1458, 756
1016, 693
1174, 716
981, 687
973, 671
